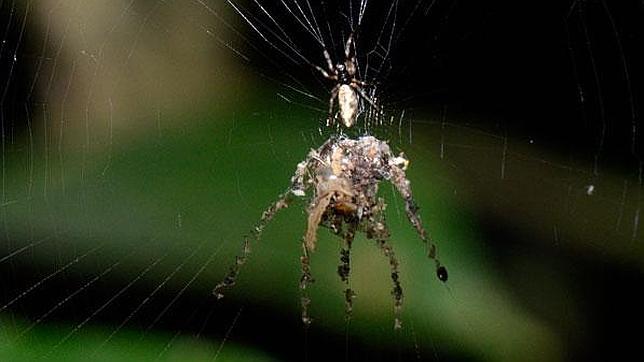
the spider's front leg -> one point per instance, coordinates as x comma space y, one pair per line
330, 73
350, 56
397, 166
327, 74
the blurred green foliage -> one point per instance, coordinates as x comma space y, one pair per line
202, 182
127, 346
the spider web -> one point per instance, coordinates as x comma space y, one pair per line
142, 139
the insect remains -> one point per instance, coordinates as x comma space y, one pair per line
343, 176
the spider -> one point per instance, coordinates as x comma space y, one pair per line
347, 88
343, 175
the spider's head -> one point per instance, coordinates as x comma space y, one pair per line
343, 75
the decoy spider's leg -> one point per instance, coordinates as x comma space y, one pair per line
298, 187
316, 210
396, 291
344, 269
255, 235
403, 185
305, 280
377, 229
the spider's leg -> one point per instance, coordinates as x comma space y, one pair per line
334, 94
344, 269
349, 47
305, 280
350, 56
403, 186
359, 82
396, 291
378, 230
327, 74
316, 210
361, 93
298, 187
254, 236
329, 63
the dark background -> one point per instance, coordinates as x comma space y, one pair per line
565, 75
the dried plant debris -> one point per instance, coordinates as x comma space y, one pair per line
343, 175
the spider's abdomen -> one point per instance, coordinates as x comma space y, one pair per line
348, 105
351, 169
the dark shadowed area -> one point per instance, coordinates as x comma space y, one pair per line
143, 139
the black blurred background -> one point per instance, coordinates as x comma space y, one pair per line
566, 75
